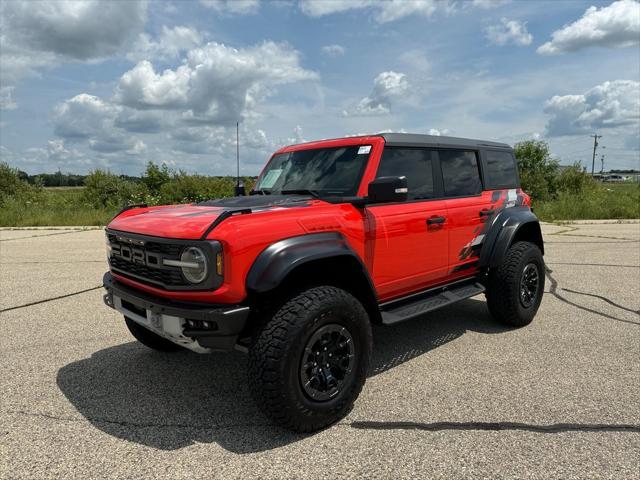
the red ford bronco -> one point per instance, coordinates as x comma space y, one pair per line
336, 235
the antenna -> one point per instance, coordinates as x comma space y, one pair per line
239, 190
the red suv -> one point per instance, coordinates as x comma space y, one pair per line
337, 235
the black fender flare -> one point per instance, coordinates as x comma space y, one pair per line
503, 231
275, 262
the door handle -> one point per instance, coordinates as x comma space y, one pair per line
486, 213
435, 220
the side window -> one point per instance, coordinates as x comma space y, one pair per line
501, 169
460, 173
413, 163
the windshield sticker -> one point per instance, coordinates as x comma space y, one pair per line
364, 149
270, 178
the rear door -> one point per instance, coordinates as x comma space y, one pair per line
407, 242
467, 206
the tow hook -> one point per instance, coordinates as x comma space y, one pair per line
108, 299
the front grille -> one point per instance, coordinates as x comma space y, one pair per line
168, 276
168, 249
144, 260
142, 257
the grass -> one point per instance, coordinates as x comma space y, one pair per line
605, 201
53, 206
65, 207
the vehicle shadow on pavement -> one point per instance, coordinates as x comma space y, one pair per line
170, 401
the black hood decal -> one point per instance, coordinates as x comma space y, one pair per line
258, 202
242, 205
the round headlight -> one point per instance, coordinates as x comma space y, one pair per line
197, 270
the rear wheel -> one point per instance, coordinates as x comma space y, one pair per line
150, 339
308, 364
515, 287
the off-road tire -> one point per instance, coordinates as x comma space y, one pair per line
150, 339
278, 349
504, 285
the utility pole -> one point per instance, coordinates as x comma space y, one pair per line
602, 164
595, 146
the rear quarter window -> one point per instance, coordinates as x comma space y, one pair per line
500, 169
460, 173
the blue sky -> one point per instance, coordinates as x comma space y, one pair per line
112, 85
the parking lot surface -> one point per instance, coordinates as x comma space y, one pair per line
449, 395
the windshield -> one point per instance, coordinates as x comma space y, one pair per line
323, 171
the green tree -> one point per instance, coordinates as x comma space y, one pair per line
11, 184
538, 170
155, 176
575, 180
104, 189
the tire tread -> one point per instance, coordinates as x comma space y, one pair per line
269, 351
504, 283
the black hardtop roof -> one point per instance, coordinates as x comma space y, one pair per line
416, 139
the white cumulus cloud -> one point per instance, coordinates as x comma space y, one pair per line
87, 118
609, 105
78, 30
83, 116
217, 84
36, 34
169, 45
195, 104
509, 32
614, 26
387, 86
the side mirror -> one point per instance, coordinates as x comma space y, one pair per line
388, 189
239, 190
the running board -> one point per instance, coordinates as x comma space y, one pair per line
428, 302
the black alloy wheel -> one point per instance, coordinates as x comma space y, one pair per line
327, 362
309, 361
529, 282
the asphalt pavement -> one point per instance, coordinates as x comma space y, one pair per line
449, 395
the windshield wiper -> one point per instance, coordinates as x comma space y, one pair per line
301, 191
260, 191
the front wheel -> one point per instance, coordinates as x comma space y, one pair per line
515, 287
308, 364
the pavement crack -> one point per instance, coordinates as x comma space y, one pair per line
605, 299
593, 264
567, 233
553, 290
66, 232
597, 236
46, 262
497, 426
593, 242
50, 299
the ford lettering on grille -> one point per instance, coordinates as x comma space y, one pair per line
143, 260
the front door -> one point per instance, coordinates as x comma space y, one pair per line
407, 242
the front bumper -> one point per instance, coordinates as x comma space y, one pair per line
198, 327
